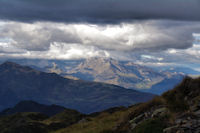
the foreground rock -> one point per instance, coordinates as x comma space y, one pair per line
176, 111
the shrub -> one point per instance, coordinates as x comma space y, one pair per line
151, 126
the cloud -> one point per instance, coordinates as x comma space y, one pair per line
58, 51
98, 11
145, 31
37, 36
147, 35
150, 57
189, 57
151, 42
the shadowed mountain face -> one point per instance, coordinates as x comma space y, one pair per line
24, 83
31, 106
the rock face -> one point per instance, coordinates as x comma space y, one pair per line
176, 111
151, 114
126, 74
189, 120
186, 123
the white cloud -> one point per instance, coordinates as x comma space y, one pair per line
150, 35
149, 42
172, 51
73, 51
194, 51
57, 51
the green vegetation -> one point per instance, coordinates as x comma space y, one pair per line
177, 99
151, 126
141, 108
102, 123
63, 119
23, 123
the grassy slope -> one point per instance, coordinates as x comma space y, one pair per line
103, 122
175, 101
117, 120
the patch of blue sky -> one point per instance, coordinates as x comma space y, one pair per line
5, 40
196, 38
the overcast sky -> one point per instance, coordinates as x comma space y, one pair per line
153, 32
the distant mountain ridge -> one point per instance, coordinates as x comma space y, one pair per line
32, 106
125, 74
128, 75
24, 83
107, 70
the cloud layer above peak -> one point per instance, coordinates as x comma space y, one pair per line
147, 31
155, 42
98, 11
147, 35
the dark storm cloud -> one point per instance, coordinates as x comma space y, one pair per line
101, 11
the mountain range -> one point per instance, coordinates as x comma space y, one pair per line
24, 83
175, 111
126, 74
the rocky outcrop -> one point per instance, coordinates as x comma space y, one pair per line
157, 112
176, 111
186, 123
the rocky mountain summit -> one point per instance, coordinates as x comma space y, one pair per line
123, 73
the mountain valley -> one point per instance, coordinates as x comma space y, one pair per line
122, 73
175, 111
20, 83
